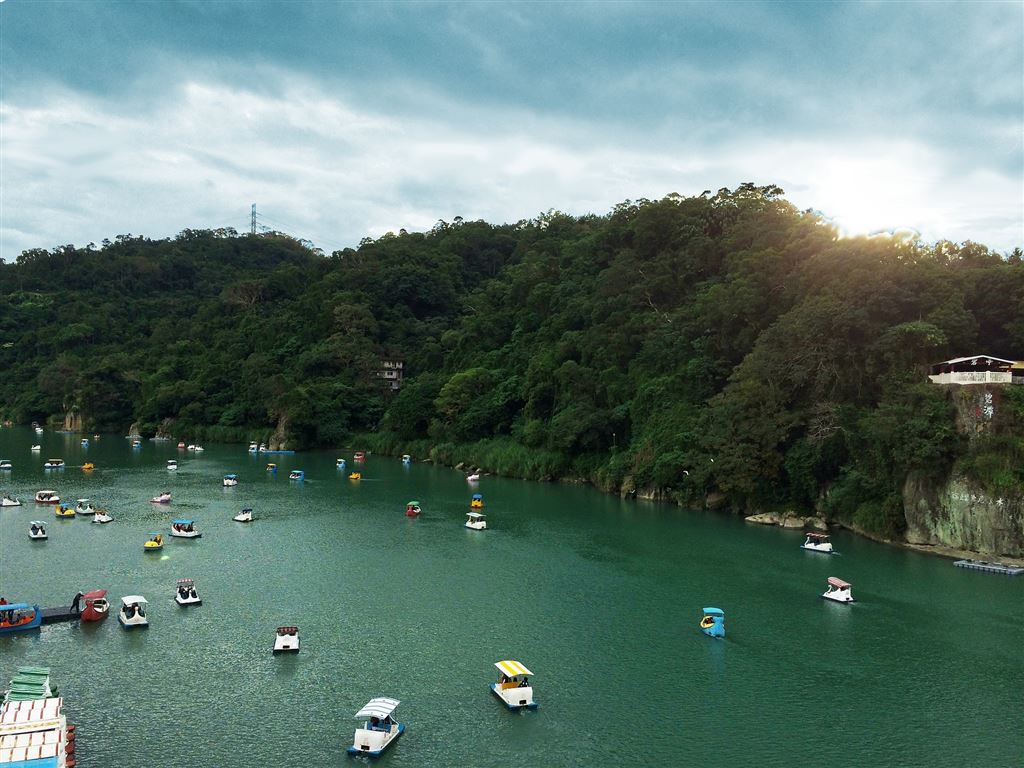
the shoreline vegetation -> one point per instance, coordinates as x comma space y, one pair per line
721, 351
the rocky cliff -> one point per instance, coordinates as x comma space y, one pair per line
73, 421
961, 512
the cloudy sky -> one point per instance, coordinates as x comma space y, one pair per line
346, 120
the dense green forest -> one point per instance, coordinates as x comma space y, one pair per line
724, 344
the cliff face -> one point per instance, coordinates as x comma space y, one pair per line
73, 421
959, 513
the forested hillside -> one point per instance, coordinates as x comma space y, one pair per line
723, 344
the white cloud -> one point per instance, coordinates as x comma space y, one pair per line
79, 169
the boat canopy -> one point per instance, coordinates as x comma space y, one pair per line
381, 707
287, 630
839, 583
134, 600
478, 496
83, 501
475, 515
38, 523
16, 607
95, 594
60, 460
412, 503
271, 466
247, 509
512, 668
185, 582
812, 535
46, 493
183, 522
230, 477
714, 612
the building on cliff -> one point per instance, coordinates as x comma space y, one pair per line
978, 369
391, 374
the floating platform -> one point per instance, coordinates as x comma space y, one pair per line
983, 565
278, 453
57, 615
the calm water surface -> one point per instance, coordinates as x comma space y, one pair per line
599, 597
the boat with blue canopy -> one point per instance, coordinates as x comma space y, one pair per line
19, 617
477, 501
230, 480
713, 622
184, 529
380, 728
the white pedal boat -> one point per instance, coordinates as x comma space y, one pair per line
133, 612
101, 516
172, 466
6, 465
37, 530
513, 686
818, 542
85, 507
245, 516
476, 521
286, 640
184, 529
163, 498
379, 728
839, 591
10, 501
230, 481
185, 593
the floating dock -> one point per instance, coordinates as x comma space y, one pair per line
976, 565
57, 615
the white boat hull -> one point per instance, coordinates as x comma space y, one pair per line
481, 526
515, 697
37, 536
187, 600
825, 549
286, 644
10, 503
839, 596
102, 518
186, 534
243, 517
133, 622
230, 483
372, 742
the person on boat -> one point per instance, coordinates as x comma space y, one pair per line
374, 723
76, 604
525, 683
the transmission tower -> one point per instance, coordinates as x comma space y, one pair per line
253, 230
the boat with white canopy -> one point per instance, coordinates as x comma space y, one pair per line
379, 728
839, 591
185, 593
102, 516
513, 686
818, 542
6, 465
37, 530
85, 507
133, 612
476, 521
53, 464
172, 465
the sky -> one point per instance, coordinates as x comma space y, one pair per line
347, 120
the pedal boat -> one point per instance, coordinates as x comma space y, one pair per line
85, 507
253, 447
64, 511
230, 480
88, 466
296, 474
172, 465
476, 521
413, 509
36, 448
355, 476
513, 686
406, 459
184, 529
6, 465
473, 478
96, 605
133, 612
818, 542
359, 456
47, 497
53, 464
163, 498
10, 501
19, 617
477, 502
37, 530
286, 640
379, 730
838, 591
272, 469
185, 593
245, 516
339, 464
155, 543
713, 622
102, 516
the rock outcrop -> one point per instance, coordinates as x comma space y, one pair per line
787, 520
279, 440
133, 430
73, 421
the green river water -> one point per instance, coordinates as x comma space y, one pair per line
600, 597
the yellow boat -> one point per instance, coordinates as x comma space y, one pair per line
156, 542
355, 476
61, 511
88, 467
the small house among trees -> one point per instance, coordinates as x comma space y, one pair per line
391, 374
978, 369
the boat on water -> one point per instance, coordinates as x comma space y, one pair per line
379, 728
245, 516
818, 542
34, 732
359, 456
185, 593
513, 685
413, 509
477, 502
286, 640
838, 591
355, 476
230, 480
53, 464
406, 459
10, 501
181, 445
473, 478
713, 622
37, 530
102, 516
339, 463
262, 448
253, 448
64, 510
476, 521
136, 444
88, 466
133, 612
184, 529
154, 543
36, 448
163, 498
96, 605
39, 430
47, 497
85, 442
272, 469
85, 507
19, 617
6, 465
199, 449
296, 474
172, 465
